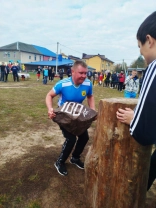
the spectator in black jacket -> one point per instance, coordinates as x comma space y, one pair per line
14, 70
52, 75
107, 80
2, 71
61, 73
143, 131
114, 80
69, 72
7, 71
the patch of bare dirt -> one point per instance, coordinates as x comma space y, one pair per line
34, 177
17, 144
28, 173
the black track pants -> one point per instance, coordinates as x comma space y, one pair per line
70, 142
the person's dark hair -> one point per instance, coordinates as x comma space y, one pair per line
148, 27
79, 62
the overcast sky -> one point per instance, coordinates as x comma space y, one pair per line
80, 26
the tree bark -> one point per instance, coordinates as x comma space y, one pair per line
116, 166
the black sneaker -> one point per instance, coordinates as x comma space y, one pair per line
77, 162
61, 168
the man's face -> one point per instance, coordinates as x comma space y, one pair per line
79, 74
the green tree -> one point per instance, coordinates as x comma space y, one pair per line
139, 63
119, 67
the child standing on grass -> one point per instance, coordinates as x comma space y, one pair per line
45, 75
142, 121
38, 72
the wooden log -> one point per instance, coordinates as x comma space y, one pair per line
116, 166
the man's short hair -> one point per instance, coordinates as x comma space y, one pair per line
79, 62
148, 27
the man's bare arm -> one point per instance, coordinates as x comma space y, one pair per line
49, 103
91, 102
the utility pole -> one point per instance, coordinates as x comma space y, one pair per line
124, 68
123, 65
57, 56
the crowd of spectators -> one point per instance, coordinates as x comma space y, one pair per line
5, 69
115, 80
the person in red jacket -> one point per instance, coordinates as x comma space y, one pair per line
121, 77
100, 78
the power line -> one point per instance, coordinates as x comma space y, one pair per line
81, 52
70, 48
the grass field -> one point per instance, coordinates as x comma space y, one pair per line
30, 144
23, 107
23, 112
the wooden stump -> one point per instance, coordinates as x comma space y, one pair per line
116, 166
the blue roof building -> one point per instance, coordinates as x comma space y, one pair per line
51, 63
22, 53
44, 51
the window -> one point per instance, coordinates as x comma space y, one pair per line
102, 65
5, 54
40, 58
29, 57
35, 57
